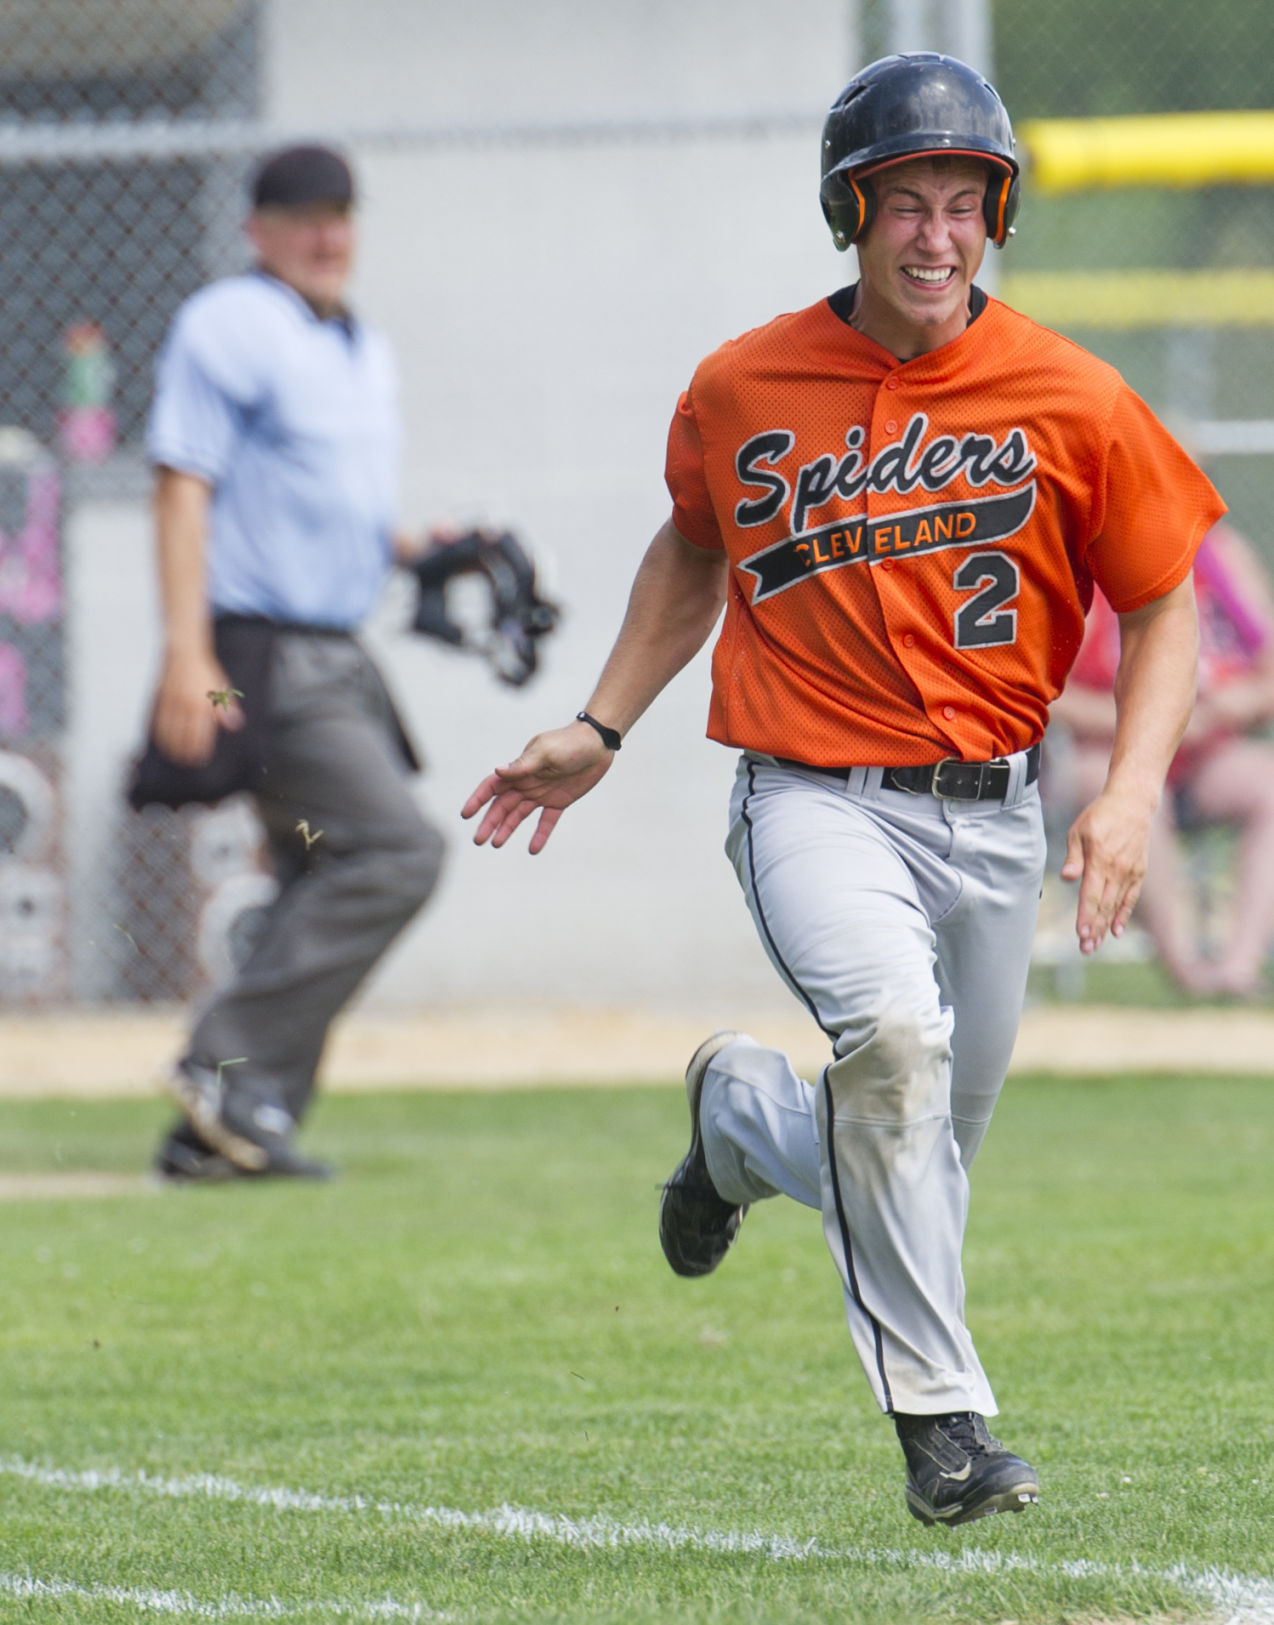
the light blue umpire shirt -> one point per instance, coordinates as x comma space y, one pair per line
293, 420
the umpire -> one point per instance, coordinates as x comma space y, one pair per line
274, 435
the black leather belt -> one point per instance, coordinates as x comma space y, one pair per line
952, 779
311, 628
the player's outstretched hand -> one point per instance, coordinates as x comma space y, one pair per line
1106, 851
554, 770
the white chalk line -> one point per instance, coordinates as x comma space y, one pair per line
182, 1604
1236, 1598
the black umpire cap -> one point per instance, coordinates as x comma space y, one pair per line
300, 176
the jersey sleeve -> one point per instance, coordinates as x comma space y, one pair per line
1151, 510
200, 398
692, 510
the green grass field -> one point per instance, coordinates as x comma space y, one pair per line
460, 1382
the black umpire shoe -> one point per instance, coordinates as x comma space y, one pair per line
957, 1471
183, 1159
696, 1226
249, 1129
262, 1121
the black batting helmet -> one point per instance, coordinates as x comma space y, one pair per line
903, 107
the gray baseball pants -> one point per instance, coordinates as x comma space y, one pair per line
904, 924
335, 772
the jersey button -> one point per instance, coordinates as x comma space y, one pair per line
888, 564
910, 640
892, 426
891, 383
948, 711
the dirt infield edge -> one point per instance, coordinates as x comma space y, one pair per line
107, 1054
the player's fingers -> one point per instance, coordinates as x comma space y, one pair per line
1105, 909
513, 813
1096, 906
1091, 939
1123, 912
547, 824
1073, 863
498, 824
490, 786
495, 818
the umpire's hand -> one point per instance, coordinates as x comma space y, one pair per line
193, 700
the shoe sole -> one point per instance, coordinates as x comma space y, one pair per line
1013, 1499
250, 1158
696, 1071
216, 1170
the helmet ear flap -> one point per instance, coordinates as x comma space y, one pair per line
866, 200
999, 205
848, 207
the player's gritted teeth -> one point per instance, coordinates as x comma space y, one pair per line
929, 276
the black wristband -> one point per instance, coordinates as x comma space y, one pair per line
610, 736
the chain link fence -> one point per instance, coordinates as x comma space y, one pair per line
124, 136
126, 132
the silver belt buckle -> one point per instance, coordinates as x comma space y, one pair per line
935, 781
977, 772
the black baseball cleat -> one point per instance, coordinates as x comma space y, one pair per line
251, 1131
696, 1226
958, 1471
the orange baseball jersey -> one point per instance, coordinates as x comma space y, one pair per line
913, 545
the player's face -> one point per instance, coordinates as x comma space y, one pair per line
311, 249
920, 254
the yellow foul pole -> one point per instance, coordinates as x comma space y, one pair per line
1162, 149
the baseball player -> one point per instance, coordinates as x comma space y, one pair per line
902, 496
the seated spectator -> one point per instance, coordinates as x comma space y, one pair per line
1223, 772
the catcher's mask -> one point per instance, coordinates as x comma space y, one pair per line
518, 616
908, 106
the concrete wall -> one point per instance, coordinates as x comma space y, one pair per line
548, 298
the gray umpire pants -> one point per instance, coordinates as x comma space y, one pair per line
904, 924
354, 858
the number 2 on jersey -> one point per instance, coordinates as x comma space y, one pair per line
983, 622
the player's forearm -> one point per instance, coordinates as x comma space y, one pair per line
1154, 693
676, 598
181, 520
